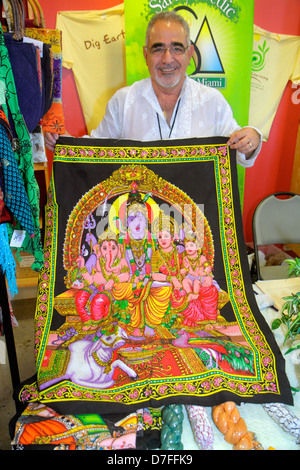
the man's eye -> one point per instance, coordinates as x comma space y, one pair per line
157, 49
177, 49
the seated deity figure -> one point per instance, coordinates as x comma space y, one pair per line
147, 304
196, 269
93, 299
198, 283
166, 260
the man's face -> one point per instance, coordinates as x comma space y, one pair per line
167, 70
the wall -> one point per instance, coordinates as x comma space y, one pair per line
273, 169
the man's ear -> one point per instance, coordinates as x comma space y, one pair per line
191, 51
145, 53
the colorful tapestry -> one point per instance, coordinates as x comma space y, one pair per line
145, 297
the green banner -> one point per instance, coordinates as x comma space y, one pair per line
222, 34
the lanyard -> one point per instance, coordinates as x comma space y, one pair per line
158, 121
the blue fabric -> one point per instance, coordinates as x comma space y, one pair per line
15, 196
24, 64
7, 261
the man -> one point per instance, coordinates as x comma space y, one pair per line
169, 104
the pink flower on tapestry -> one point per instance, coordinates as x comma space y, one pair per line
119, 397
223, 150
206, 385
272, 387
266, 361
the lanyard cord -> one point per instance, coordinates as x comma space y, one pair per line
158, 121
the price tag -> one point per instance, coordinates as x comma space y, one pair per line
17, 238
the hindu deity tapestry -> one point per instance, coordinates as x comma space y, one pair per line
145, 297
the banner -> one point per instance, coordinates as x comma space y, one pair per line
222, 35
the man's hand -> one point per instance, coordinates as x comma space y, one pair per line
50, 140
246, 141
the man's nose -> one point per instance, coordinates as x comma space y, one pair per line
167, 56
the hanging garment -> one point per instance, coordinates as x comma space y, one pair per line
53, 120
26, 67
93, 44
47, 77
43, 428
276, 60
23, 154
5, 214
7, 261
15, 196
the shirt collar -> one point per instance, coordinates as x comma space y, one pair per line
151, 97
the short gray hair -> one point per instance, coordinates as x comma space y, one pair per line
168, 16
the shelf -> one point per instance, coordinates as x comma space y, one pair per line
43, 167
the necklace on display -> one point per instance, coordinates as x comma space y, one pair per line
158, 121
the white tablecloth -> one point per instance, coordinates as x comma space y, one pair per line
267, 432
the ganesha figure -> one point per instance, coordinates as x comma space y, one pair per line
93, 300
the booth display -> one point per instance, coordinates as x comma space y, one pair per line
148, 333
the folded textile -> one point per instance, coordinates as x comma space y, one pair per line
201, 427
285, 418
47, 63
41, 426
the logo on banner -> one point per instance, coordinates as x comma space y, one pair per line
206, 56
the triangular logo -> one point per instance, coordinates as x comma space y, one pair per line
206, 56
